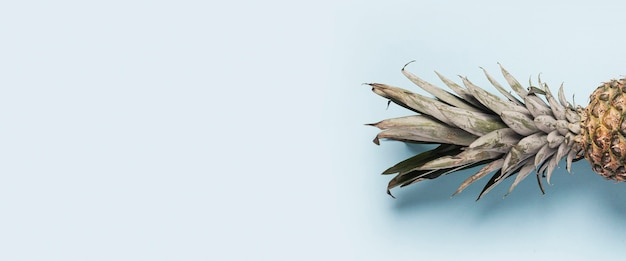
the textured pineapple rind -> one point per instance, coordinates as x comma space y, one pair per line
603, 128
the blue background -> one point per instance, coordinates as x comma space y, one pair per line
194, 130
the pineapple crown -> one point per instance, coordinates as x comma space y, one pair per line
473, 127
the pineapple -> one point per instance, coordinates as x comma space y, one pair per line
511, 136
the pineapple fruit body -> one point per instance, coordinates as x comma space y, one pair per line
528, 130
603, 128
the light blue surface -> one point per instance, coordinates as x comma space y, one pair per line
191, 130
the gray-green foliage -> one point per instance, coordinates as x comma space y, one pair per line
511, 136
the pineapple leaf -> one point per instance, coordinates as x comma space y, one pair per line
410, 100
543, 154
515, 85
572, 116
519, 122
464, 93
551, 166
494, 165
463, 158
391, 93
557, 109
438, 92
491, 101
499, 87
524, 149
571, 156
419, 159
476, 123
495, 180
422, 128
543, 192
498, 140
521, 175
409, 178
420, 175
555, 139
532, 90
546, 123
562, 98
536, 106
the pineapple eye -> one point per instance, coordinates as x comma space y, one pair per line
618, 102
597, 168
597, 109
601, 138
615, 145
606, 158
604, 97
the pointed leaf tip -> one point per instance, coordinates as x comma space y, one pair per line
515, 85
408, 64
439, 93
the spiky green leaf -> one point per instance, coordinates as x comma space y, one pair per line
515, 85
419, 159
521, 175
501, 89
519, 122
438, 92
491, 101
464, 158
498, 140
476, 123
494, 165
